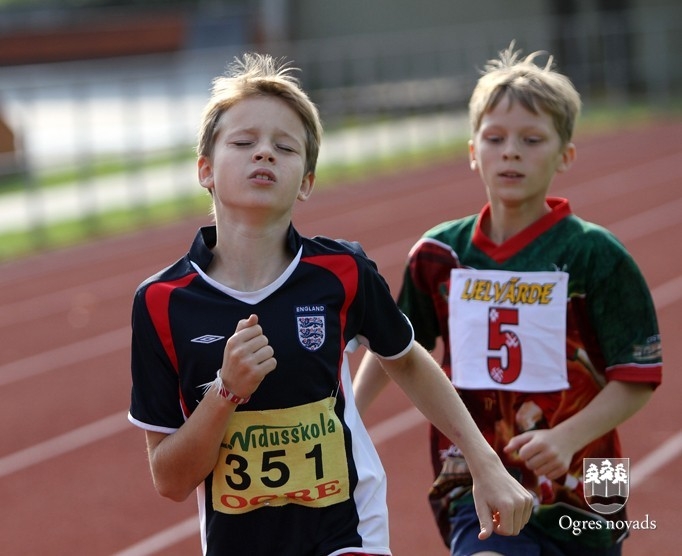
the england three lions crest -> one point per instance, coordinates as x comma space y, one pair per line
310, 323
607, 483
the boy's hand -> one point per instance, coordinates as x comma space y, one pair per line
502, 504
542, 451
247, 359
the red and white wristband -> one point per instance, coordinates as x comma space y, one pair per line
224, 392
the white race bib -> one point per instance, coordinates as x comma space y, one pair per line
508, 330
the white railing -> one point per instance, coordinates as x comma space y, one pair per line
73, 115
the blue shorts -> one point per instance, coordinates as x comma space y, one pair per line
529, 542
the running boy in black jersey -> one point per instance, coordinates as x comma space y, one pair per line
548, 327
240, 376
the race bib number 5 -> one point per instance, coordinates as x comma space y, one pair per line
282, 456
508, 330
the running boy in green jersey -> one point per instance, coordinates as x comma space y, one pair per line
548, 328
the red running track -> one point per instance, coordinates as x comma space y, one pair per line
73, 472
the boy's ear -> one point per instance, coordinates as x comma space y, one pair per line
306, 188
472, 156
205, 172
568, 156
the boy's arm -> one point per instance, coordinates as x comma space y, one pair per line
180, 461
502, 504
370, 379
549, 451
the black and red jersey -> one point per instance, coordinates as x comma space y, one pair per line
297, 454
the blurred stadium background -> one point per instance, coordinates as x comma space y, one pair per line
99, 100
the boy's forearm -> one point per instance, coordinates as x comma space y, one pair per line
503, 505
181, 461
368, 382
424, 382
616, 403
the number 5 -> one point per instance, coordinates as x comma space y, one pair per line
499, 339
278, 466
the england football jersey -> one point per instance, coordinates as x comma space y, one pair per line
296, 457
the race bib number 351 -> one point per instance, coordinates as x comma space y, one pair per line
282, 456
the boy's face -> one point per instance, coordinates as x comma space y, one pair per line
517, 154
258, 161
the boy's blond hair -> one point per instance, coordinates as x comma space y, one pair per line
260, 75
536, 88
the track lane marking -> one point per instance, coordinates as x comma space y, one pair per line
163, 539
109, 342
664, 295
63, 356
383, 432
52, 303
583, 193
667, 294
64, 443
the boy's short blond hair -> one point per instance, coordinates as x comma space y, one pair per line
535, 87
260, 75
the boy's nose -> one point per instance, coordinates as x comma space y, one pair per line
511, 149
263, 153
511, 155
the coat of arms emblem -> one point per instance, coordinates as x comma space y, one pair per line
311, 331
606, 483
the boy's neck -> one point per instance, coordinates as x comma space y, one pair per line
245, 259
505, 222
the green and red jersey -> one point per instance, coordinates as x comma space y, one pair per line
532, 330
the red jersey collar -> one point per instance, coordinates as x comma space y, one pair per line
500, 253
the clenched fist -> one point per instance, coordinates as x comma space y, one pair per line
247, 359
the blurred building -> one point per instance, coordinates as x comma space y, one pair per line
76, 59
39, 31
53, 30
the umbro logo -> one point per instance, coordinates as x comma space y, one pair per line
207, 339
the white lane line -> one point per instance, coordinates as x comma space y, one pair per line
648, 222
43, 305
163, 539
63, 443
666, 294
381, 432
584, 193
395, 425
65, 356
629, 180
655, 460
